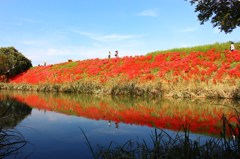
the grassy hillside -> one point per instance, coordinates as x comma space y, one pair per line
212, 73
202, 48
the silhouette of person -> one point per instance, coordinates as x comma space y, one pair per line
109, 54
109, 123
232, 48
116, 53
116, 125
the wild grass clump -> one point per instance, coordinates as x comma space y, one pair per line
188, 89
192, 89
131, 88
22, 86
77, 87
167, 147
236, 94
135, 89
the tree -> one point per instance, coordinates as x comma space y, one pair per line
13, 62
3, 63
224, 14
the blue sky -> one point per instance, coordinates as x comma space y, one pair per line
57, 30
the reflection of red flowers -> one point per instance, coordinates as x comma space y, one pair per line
163, 117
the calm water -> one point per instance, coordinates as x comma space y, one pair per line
52, 123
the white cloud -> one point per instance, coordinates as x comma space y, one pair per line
56, 52
34, 42
189, 29
114, 37
149, 13
107, 37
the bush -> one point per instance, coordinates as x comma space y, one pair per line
13, 62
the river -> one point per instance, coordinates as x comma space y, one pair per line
57, 125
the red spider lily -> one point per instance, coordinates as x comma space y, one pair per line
210, 66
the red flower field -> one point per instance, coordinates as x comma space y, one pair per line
194, 74
208, 66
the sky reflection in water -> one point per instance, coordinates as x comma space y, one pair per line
59, 136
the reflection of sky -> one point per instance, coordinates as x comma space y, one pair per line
54, 135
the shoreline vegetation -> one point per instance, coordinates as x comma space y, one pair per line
180, 146
209, 71
220, 91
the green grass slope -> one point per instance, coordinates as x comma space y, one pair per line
201, 48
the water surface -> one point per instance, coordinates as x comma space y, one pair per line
52, 123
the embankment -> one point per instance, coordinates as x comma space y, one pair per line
210, 74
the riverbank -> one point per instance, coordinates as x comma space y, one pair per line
210, 74
133, 89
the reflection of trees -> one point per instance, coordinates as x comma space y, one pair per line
11, 141
12, 112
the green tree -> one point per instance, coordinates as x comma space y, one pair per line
3, 64
13, 62
224, 14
